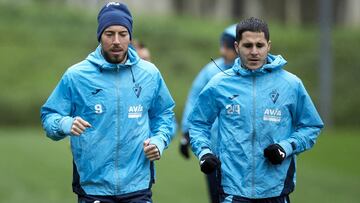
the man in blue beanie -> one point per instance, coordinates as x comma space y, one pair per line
228, 55
118, 113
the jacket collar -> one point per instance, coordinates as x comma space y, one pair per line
274, 62
98, 59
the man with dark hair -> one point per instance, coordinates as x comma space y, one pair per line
265, 118
118, 113
253, 25
226, 61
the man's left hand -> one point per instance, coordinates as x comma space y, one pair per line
275, 154
151, 151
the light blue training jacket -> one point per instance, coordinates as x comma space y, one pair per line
255, 109
125, 104
209, 71
206, 73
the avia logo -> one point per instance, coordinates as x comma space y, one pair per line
135, 111
233, 97
273, 115
274, 95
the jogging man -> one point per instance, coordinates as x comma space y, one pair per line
118, 113
265, 118
228, 55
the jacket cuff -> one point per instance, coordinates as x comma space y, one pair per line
204, 151
65, 125
159, 143
287, 146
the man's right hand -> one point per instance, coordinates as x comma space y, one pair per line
184, 145
208, 163
79, 125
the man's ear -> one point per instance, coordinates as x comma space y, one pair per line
269, 45
236, 46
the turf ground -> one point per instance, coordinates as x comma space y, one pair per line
36, 169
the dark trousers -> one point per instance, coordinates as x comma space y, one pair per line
213, 187
237, 199
143, 196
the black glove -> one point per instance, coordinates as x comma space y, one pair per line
275, 154
208, 163
184, 145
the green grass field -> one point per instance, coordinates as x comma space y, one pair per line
36, 169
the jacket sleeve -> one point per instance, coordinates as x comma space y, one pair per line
202, 117
55, 113
198, 84
308, 125
161, 114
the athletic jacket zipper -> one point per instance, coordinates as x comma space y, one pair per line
118, 119
253, 137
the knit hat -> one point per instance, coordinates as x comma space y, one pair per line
114, 13
228, 37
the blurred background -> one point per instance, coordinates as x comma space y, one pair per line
40, 39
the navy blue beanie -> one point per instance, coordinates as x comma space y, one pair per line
227, 38
227, 41
114, 13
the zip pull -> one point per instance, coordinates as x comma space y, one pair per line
132, 74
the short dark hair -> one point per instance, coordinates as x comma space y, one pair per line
253, 25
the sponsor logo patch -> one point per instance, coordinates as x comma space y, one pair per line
135, 111
272, 115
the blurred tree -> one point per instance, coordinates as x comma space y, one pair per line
274, 10
236, 11
352, 13
326, 62
179, 6
253, 8
292, 12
